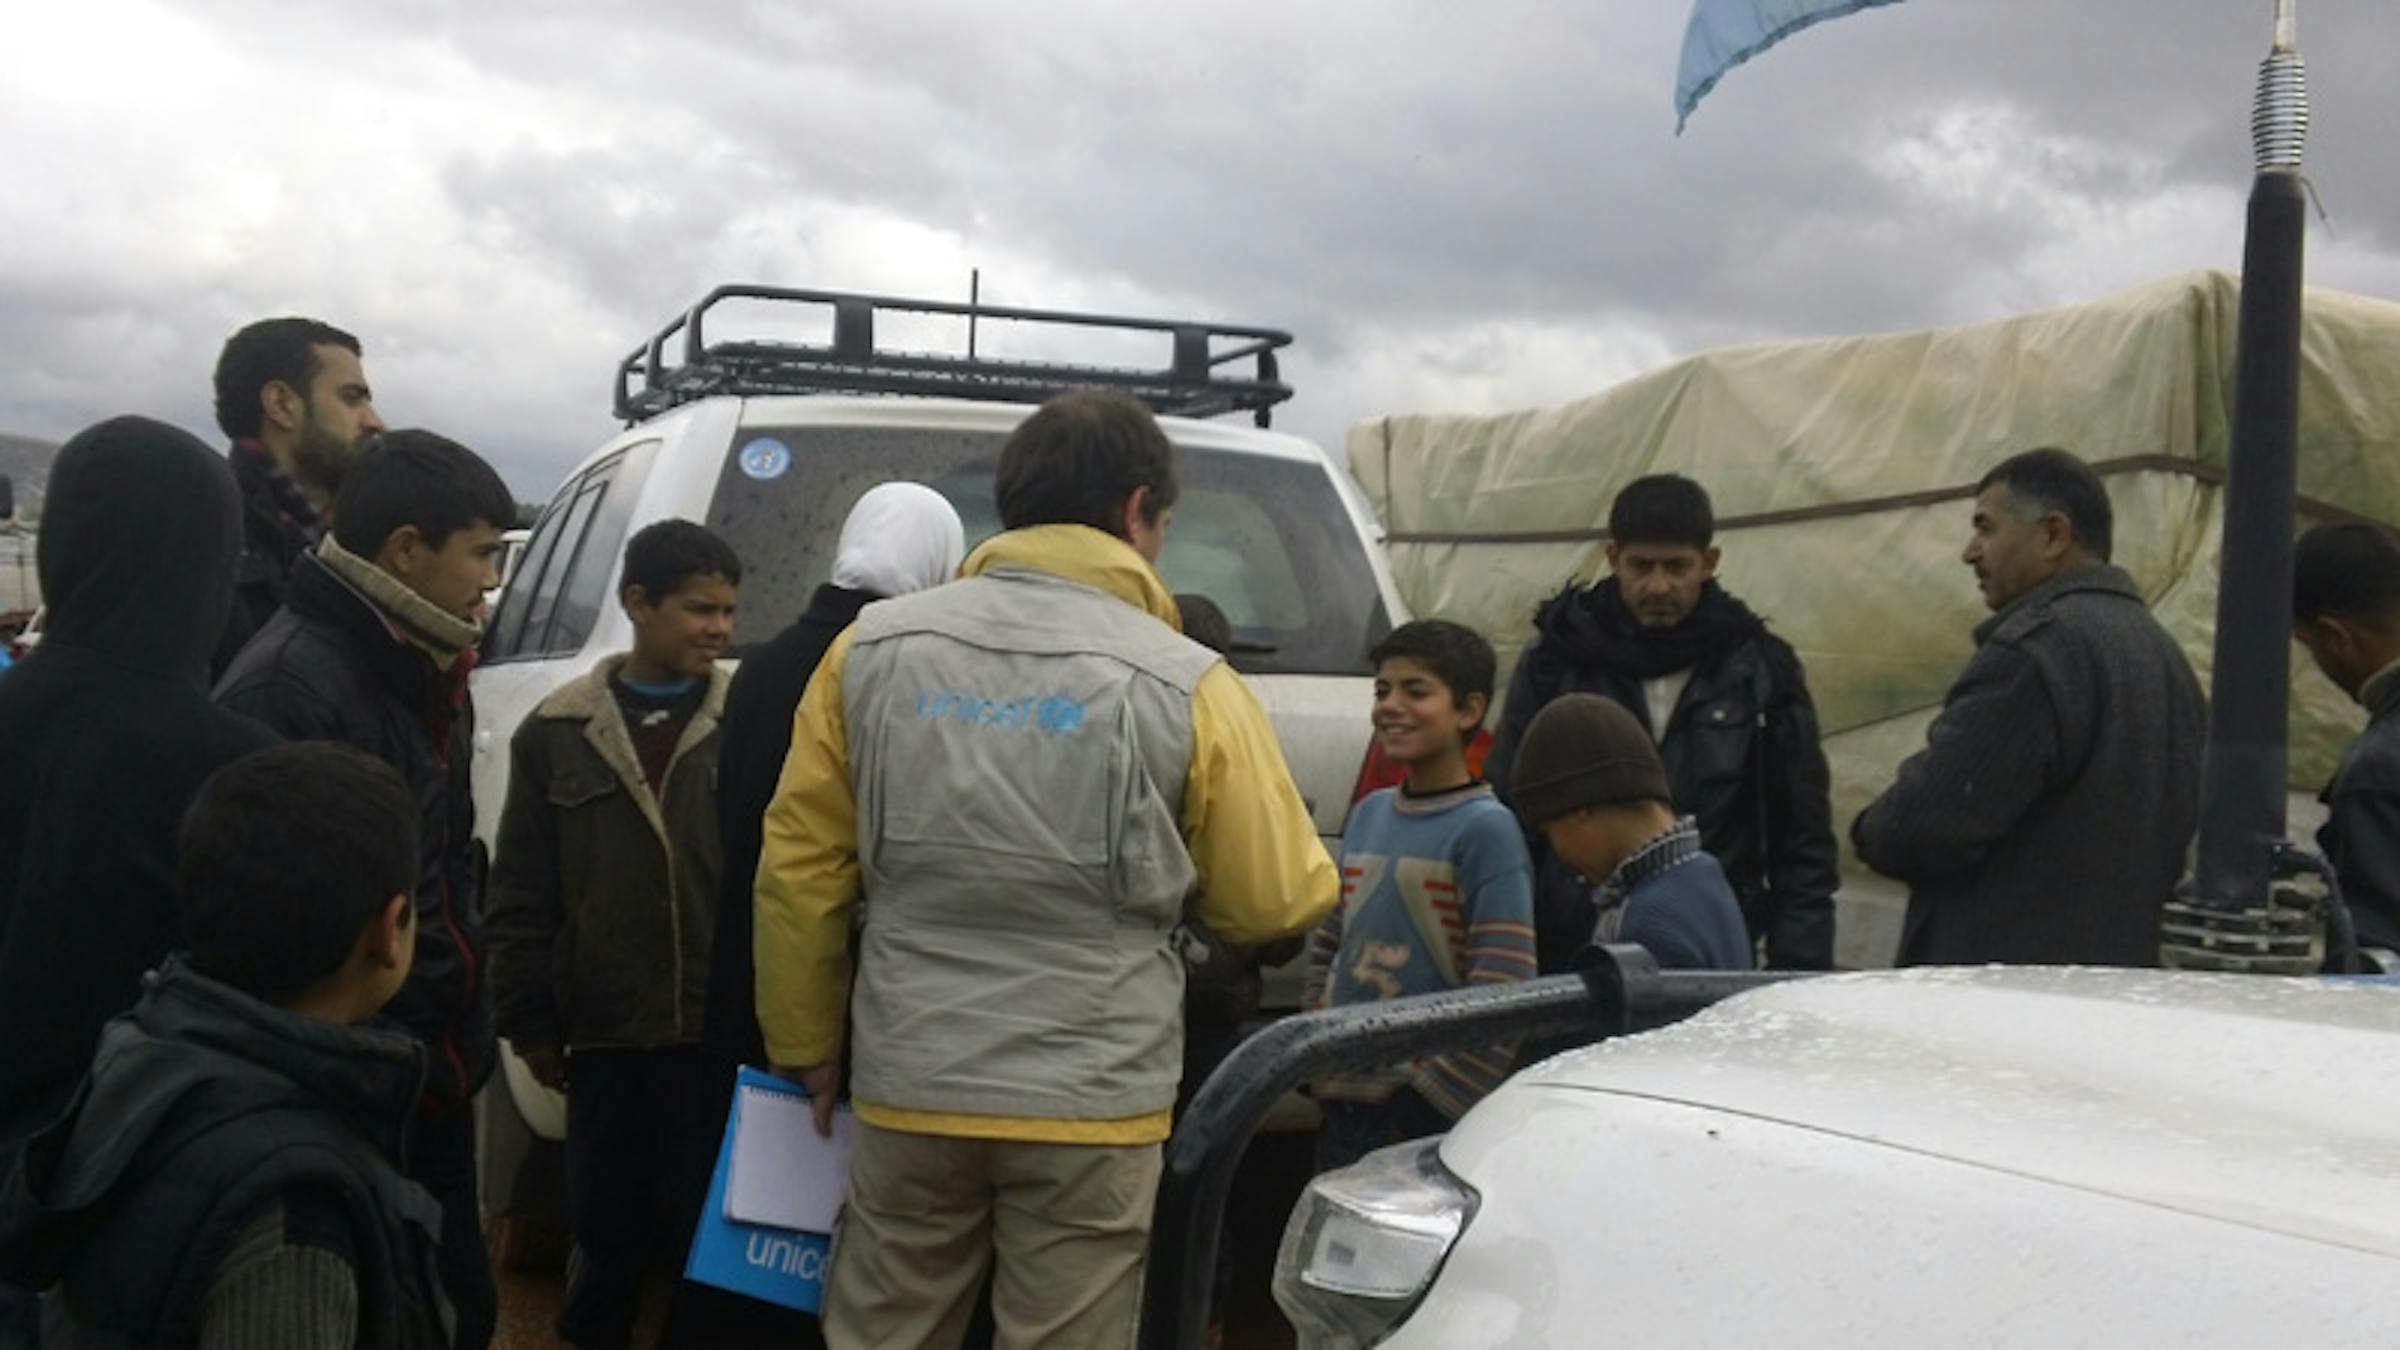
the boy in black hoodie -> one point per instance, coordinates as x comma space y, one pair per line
225, 1177
109, 734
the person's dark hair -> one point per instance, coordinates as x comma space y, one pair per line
1454, 652
663, 556
265, 352
2349, 571
285, 857
1664, 508
1204, 623
417, 478
2050, 479
1076, 460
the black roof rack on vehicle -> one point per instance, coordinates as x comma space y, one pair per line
1195, 381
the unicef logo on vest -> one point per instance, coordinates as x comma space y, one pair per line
766, 459
1057, 714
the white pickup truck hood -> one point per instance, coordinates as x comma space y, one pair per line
2263, 1101
1990, 1157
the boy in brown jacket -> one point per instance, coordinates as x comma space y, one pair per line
602, 903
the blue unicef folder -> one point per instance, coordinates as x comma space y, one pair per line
780, 1169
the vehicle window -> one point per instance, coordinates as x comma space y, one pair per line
512, 553
1269, 540
504, 639
575, 526
598, 552
1224, 545
529, 620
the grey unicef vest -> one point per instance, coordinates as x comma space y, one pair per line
1018, 747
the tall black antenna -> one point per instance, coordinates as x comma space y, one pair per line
2237, 915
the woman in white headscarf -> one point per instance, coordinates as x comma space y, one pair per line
901, 537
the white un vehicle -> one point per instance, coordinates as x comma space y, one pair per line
770, 443
1970, 1157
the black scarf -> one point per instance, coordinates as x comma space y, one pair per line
260, 475
1596, 628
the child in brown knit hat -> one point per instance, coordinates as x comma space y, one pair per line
1589, 778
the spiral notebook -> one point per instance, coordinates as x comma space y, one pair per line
783, 1174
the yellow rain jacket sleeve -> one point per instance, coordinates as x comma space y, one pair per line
807, 887
1264, 874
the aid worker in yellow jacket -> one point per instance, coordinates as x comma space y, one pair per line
1011, 786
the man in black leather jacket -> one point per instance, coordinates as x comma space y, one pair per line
1727, 702
2346, 611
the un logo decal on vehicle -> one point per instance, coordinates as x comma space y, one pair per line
766, 459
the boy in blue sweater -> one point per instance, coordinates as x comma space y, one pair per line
1590, 779
1437, 892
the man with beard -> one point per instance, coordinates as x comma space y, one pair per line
293, 396
1727, 703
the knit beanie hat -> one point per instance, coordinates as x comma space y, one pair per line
1584, 750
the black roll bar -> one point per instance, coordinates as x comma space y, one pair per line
1198, 378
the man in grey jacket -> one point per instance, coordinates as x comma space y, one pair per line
2047, 818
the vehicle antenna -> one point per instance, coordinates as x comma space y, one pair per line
2241, 911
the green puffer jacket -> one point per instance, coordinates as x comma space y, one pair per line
602, 896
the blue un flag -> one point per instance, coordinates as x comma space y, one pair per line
1725, 33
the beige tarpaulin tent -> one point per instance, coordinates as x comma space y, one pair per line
1841, 472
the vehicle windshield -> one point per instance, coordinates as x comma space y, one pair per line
1267, 539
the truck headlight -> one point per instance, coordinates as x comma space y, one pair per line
1365, 1241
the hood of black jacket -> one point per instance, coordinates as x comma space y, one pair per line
194, 1050
141, 535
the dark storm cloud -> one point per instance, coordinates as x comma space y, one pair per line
1369, 163
1482, 203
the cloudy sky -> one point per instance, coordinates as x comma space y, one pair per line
1454, 207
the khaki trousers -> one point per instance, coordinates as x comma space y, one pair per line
1063, 1225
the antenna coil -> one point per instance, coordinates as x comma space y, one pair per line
2279, 117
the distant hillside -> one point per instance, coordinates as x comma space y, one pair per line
27, 462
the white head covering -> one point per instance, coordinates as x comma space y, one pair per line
901, 537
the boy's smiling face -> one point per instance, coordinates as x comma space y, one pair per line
684, 633
1417, 717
